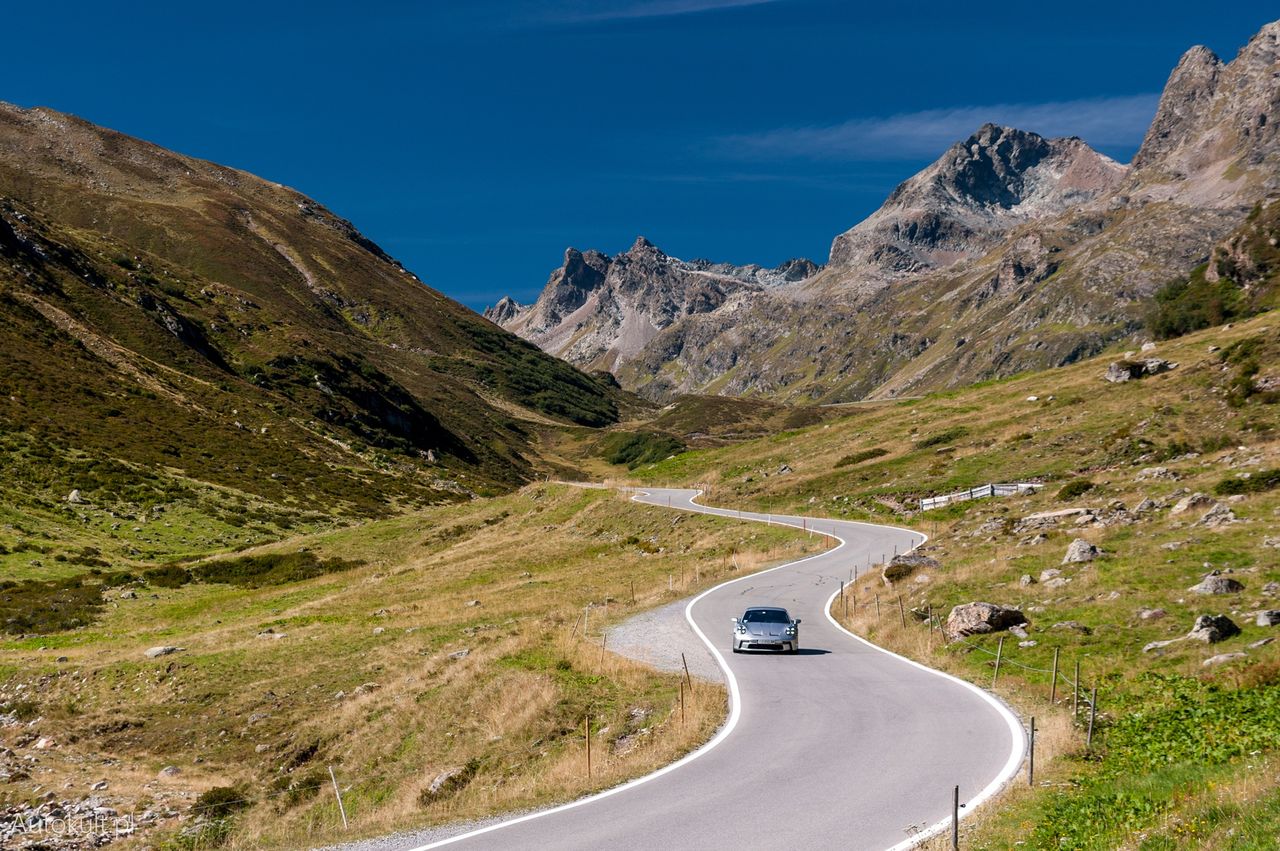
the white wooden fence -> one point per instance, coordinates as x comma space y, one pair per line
978, 493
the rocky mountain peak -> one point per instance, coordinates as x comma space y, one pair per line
1215, 130
505, 310
1190, 88
965, 202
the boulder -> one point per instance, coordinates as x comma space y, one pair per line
1148, 473
1151, 614
460, 654
1050, 573
902, 566
1268, 617
1074, 626
1213, 628
1080, 550
1129, 370
170, 771
1160, 645
1216, 583
74, 497
157, 652
1195, 500
1146, 506
980, 619
1026, 580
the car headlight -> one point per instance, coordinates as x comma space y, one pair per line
791, 630
741, 628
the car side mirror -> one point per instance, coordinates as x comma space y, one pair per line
797, 620
735, 620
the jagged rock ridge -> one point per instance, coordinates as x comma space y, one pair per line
598, 311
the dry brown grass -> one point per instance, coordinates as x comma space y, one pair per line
238, 709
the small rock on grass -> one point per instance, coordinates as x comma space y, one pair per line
1222, 658
157, 652
1268, 617
1216, 583
1079, 551
1151, 614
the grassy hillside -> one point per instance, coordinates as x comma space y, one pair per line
181, 335
1185, 750
450, 639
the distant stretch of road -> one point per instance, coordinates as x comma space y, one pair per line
843, 746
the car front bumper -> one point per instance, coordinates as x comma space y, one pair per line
751, 642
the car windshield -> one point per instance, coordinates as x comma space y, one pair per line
766, 616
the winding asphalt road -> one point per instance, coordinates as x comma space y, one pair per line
843, 746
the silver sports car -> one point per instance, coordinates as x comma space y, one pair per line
766, 628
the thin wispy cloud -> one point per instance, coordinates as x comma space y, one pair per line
1113, 122
624, 10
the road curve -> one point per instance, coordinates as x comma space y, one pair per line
843, 746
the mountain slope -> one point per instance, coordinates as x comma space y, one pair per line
183, 321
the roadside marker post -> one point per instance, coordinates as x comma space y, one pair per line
688, 678
902, 613
1075, 694
1053, 687
586, 731
999, 652
955, 820
877, 608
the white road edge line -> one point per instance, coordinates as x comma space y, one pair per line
735, 701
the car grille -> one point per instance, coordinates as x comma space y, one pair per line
758, 646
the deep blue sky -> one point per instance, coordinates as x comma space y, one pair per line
476, 140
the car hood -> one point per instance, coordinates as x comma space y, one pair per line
766, 628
